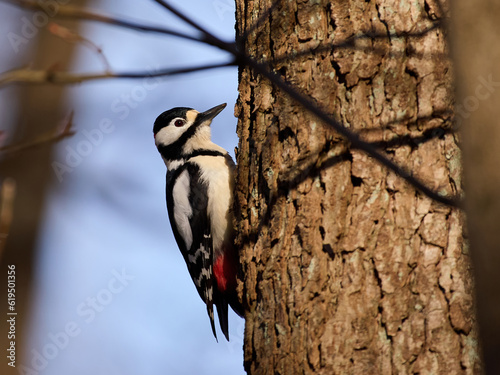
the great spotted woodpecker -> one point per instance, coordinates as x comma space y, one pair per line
199, 193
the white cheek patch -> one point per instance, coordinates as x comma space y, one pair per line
169, 134
182, 208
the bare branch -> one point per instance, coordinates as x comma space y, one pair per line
207, 37
182, 16
48, 76
72, 12
41, 140
72, 37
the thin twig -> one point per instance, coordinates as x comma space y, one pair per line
72, 12
182, 16
46, 76
207, 37
49, 137
72, 37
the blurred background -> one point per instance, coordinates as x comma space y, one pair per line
101, 287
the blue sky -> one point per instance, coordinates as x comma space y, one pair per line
113, 295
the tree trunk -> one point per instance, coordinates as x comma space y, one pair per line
39, 113
346, 268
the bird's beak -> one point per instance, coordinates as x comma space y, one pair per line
211, 113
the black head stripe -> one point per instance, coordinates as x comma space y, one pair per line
176, 154
204, 153
167, 116
174, 150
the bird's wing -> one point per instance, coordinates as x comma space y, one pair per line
200, 254
191, 227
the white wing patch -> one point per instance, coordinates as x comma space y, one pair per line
182, 208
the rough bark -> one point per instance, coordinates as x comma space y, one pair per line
346, 268
477, 53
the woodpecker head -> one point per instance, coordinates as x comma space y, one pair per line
181, 130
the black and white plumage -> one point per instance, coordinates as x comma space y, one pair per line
199, 190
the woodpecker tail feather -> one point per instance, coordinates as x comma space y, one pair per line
223, 316
209, 292
235, 304
210, 311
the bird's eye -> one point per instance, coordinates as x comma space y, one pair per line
179, 123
